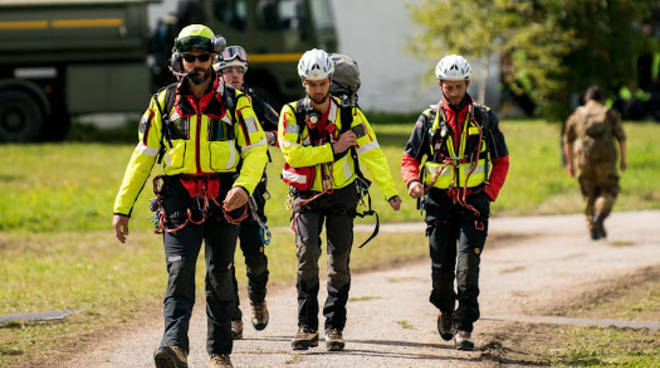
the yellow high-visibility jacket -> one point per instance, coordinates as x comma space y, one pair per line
299, 152
208, 138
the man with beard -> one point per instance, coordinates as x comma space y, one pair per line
323, 142
232, 66
466, 165
213, 152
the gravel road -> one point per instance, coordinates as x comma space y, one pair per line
539, 262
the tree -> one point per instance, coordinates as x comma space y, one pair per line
550, 49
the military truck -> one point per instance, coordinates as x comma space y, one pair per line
63, 58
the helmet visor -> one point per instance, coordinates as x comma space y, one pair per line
195, 42
234, 53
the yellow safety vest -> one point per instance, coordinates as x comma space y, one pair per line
199, 144
456, 169
299, 151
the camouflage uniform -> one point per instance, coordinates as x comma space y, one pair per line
590, 132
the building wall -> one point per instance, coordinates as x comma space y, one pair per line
376, 34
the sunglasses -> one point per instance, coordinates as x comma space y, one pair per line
202, 57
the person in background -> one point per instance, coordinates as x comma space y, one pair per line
591, 156
253, 235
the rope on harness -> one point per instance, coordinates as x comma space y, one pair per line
202, 201
458, 194
237, 220
328, 188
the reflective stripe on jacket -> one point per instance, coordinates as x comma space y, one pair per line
299, 152
201, 138
418, 146
453, 168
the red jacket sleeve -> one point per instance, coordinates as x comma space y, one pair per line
497, 176
409, 168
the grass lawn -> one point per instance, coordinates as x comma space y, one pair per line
57, 250
71, 186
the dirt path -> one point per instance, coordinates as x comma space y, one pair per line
549, 261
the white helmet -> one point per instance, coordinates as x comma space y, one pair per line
453, 68
315, 64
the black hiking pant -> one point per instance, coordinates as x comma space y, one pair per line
256, 262
447, 224
181, 250
338, 211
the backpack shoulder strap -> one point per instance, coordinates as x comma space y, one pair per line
299, 112
170, 96
433, 111
481, 115
346, 118
229, 100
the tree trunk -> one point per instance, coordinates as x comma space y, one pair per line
484, 81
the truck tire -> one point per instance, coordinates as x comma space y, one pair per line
21, 117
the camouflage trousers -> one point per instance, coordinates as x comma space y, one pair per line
599, 184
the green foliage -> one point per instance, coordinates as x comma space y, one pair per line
551, 49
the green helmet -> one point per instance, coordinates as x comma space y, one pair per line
199, 37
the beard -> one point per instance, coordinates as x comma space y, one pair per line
318, 98
199, 76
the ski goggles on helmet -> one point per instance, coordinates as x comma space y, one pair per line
194, 43
234, 53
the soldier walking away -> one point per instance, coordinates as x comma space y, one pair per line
466, 165
591, 156
213, 153
323, 143
253, 234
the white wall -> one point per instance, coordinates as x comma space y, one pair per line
375, 33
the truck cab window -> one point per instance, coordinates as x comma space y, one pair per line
231, 12
275, 15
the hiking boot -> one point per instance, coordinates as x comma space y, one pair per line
463, 340
305, 338
236, 330
259, 316
220, 361
444, 326
334, 340
599, 227
169, 356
